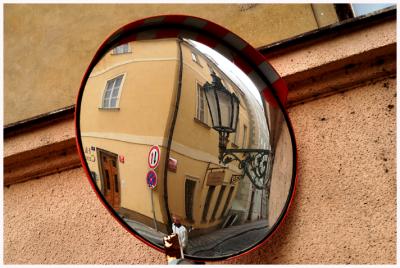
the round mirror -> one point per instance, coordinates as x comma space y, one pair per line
181, 130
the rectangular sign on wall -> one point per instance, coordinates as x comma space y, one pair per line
215, 178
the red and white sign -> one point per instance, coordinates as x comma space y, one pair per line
154, 156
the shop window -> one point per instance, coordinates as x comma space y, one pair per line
112, 92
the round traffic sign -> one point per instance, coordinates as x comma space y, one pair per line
154, 156
151, 179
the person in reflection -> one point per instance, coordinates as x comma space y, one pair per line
180, 230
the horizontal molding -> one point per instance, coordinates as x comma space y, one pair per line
342, 75
40, 162
94, 74
129, 138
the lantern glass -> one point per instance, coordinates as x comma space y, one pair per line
225, 110
223, 106
235, 112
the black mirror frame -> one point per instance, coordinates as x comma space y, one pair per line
245, 57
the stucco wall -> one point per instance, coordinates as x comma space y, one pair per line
344, 210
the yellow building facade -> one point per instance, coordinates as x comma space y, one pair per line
128, 106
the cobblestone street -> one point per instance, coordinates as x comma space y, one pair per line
228, 240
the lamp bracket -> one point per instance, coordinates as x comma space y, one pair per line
253, 162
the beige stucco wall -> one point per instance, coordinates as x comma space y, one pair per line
43, 43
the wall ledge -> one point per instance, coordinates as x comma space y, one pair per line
342, 75
39, 162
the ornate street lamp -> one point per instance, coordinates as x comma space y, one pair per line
224, 109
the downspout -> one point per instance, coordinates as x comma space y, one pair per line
171, 133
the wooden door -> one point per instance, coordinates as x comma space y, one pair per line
111, 184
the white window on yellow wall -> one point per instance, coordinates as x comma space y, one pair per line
112, 92
201, 108
122, 49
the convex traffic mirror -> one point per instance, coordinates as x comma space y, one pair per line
181, 129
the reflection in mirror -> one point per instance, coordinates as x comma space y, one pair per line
178, 139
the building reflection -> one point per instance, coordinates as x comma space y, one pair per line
129, 104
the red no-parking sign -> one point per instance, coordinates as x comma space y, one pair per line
154, 157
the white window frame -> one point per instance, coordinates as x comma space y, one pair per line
119, 92
201, 94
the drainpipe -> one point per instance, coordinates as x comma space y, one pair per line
171, 133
